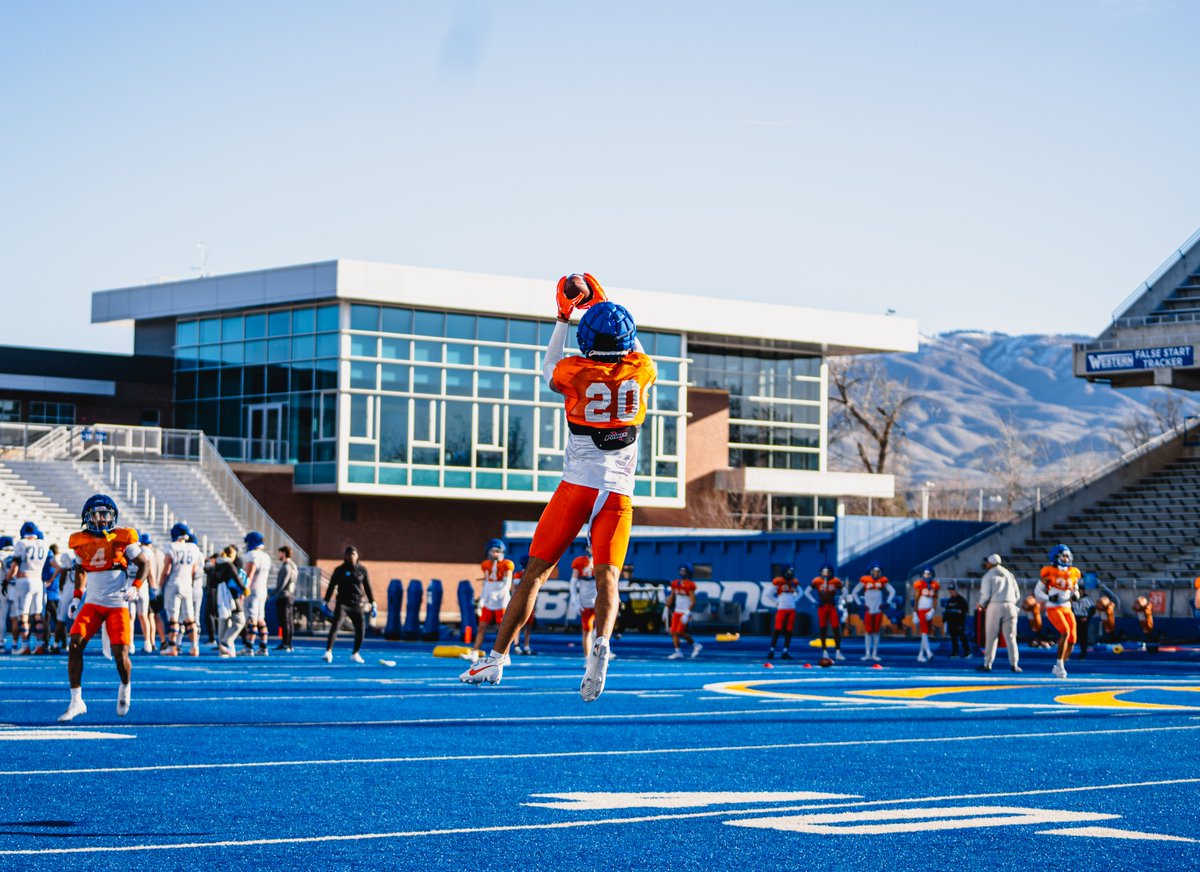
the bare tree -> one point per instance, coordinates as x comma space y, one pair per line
866, 406
1014, 461
1159, 416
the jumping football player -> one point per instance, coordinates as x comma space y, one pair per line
925, 591
103, 552
873, 591
827, 587
1055, 590
786, 588
604, 390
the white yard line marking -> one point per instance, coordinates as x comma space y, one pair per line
545, 755
1111, 833
42, 735
563, 825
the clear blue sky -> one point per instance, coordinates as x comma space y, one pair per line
1015, 166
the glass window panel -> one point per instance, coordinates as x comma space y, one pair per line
523, 332
458, 382
206, 415
546, 431
362, 346
666, 399
277, 379
520, 387
325, 450
209, 384
491, 385
489, 480
641, 488
458, 434
493, 329
393, 430
463, 355
520, 437
360, 415
185, 386
255, 352
279, 323
489, 424
278, 349
393, 475
325, 375
643, 465
302, 375
522, 358
649, 340
231, 382
491, 356
489, 459
327, 345
427, 457
547, 483
425, 477
428, 323
545, 392
327, 318
424, 420
550, 462
303, 320
427, 380
664, 469
393, 378
362, 452
231, 418
397, 320
665, 488
256, 325
361, 474
303, 347
185, 416
362, 376
187, 357
395, 349
520, 481
187, 333
231, 328
364, 317
328, 415
545, 328
669, 345
456, 478
460, 326
255, 380
210, 330
670, 440
427, 352
668, 371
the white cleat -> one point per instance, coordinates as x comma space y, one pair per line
124, 692
837, 655
675, 655
357, 658
921, 658
696, 649
489, 669
76, 708
865, 657
327, 656
1059, 671
593, 677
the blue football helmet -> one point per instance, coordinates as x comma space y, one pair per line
145, 539
254, 539
926, 571
180, 531
99, 514
6, 543
874, 568
494, 543
1060, 555
606, 330
827, 571
686, 570
28, 529
39, 534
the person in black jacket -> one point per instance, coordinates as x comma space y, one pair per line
954, 614
352, 589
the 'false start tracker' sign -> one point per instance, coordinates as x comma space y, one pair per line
1141, 358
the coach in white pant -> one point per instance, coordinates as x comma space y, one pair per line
998, 595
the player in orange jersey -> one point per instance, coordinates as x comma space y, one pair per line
1057, 587
1196, 598
876, 593
925, 595
605, 391
786, 589
681, 600
583, 595
827, 587
103, 552
497, 589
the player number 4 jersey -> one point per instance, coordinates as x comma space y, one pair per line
105, 558
495, 589
926, 594
603, 396
1057, 583
785, 593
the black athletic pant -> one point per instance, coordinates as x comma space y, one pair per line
355, 613
287, 619
1081, 633
957, 628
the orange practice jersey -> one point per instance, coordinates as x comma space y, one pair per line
605, 394
827, 589
496, 570
785, 585
584, 566
870, 583
1060, 579
927, 591
105, 558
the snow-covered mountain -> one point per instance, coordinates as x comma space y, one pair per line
989, 402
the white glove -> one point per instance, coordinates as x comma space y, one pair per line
666, 615
73, 608
573, 603
684, 617
131, 594
916, 619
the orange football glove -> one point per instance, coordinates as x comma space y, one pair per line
597, 292
566, 287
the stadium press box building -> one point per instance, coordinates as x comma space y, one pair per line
403, 409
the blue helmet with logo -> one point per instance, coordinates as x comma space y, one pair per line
494, 543
1060, 555
254, 539
606, 330
28, 529
180, 531
99, 513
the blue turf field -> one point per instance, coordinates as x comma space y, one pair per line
692, 764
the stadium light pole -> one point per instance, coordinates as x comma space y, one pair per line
925, 499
